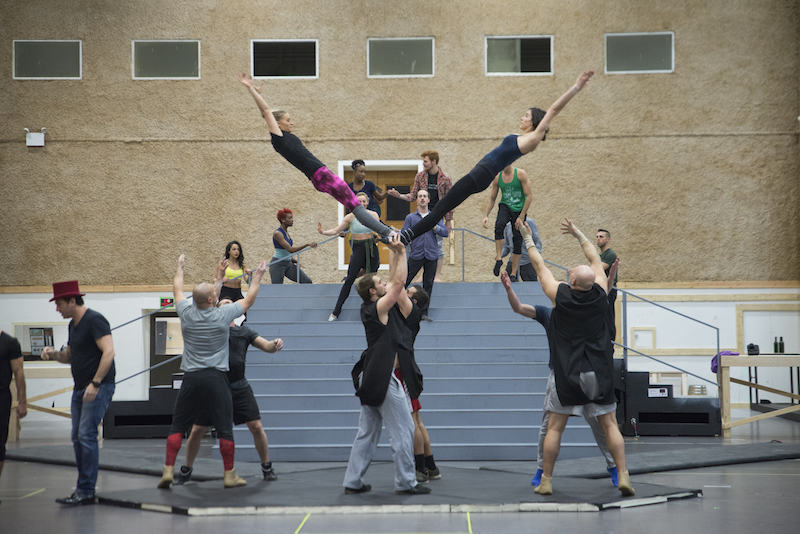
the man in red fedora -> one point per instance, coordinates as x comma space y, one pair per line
90, 353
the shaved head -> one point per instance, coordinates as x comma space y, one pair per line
204, 295
581, 277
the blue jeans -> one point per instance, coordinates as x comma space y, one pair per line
86, 417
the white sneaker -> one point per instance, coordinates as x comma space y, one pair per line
332, 318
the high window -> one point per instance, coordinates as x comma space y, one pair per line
47, 60
285, 58
519, 55
166, 60
410, 57
630, 53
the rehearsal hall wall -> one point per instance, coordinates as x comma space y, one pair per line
695, 172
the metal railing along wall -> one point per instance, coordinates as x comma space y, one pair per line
625, 294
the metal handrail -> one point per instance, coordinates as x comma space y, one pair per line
625, 293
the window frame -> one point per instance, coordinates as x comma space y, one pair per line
486, 55
431, 38
133, 58
660, 71
316, 59
14, 58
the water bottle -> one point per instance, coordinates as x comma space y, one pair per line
780, 345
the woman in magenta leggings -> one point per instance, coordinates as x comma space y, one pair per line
290, 147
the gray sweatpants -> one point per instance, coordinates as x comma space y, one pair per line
597, 430
395, 413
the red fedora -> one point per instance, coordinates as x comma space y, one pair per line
65, 290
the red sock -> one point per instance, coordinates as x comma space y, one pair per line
226, 450
173, 446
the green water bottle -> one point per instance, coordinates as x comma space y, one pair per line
780, 345
775, 345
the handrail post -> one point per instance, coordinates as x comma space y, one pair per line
463, 275
625, 329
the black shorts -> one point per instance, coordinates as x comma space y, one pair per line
204, 392
245, 407
5, 413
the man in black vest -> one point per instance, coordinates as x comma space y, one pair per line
383, 399
580, 346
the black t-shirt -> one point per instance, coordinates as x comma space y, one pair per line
84, 350
241, 337
9, 350
291, 148
433, 189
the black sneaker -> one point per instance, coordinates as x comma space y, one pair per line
76, 499
416, 490
497, 265
434, 474
363, 489
426, 319
183, 476
269, 474
513, 278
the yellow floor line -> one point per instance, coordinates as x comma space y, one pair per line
469, 523
302, 523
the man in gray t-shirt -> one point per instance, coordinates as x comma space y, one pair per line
205, 388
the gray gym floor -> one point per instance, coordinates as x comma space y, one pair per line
742, 498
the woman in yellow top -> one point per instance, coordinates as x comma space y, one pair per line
234, 272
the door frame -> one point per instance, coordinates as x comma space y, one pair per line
373, 165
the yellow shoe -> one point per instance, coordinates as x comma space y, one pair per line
232, 481
546, 486
166, 477
625, 484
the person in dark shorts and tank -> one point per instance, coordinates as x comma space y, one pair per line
516, 196
204, 389
245, 407
580, 347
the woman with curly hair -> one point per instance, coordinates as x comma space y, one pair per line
283, 265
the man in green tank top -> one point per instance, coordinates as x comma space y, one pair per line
515, 201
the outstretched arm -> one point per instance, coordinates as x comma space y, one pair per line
526, 310
278, 236
252, 291
529, 141
177, 282
346, 221
398, 271
528, 191
588, 250
546, 279
268, 346
612, 275
255, 92
491, 201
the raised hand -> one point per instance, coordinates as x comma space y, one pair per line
584, 78
181, 261
525, 230
569, 228
506, 281
395, 244
247, 80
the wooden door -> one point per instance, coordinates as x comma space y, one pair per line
393, 210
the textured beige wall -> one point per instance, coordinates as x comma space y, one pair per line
695, 172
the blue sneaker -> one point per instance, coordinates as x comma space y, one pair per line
614, 475
537, 478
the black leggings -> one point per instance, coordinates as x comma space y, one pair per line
504, 216
358, 260
475, 181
